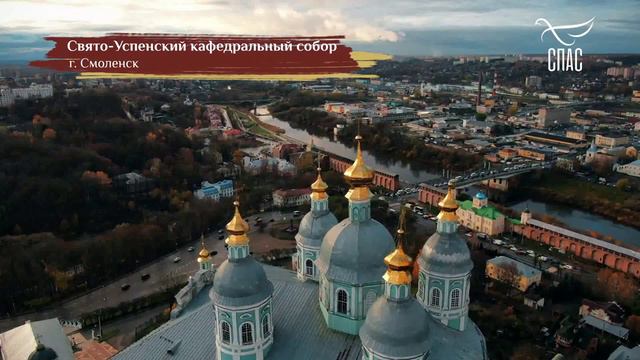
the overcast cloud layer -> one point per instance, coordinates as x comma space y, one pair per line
404, 27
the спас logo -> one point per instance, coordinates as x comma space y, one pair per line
565, 59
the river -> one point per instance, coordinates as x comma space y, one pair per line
406, 172
573, 218
578, 219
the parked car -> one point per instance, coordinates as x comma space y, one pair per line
566, 267
125, 287
543, 258
177, 259
190, 249
145, 276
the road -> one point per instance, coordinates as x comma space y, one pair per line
164, 273
481, 175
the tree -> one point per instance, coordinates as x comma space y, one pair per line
633, 323
617, 285
481, 116
623, 184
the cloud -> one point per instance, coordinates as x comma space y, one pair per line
196, 16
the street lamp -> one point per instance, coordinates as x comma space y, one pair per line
104, 300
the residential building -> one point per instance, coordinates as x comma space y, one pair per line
513, 272
34, 91
282, 151
291, 197
631, 169
507, 153
535, 153
533, 81
576, 134
608, 311
553, 116
215, 191
555, 140
612, 140
6, 96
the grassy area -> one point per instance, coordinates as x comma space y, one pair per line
611, 202
576, 187
250, 124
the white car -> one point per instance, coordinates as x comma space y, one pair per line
177, 259
566, 267
543, 258
513, 248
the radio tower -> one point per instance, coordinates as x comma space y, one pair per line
479, 90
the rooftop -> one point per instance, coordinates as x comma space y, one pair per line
487, 211
523, 268
300, 332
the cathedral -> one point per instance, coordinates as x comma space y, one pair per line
349, 297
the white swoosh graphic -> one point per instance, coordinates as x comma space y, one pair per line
588, 24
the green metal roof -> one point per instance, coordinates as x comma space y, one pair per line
487, 211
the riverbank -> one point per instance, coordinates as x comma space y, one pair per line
609, 202
384, 141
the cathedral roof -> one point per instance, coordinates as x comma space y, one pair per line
446, 253
313, 226
398, 329
354, 252
240, 282
301, 333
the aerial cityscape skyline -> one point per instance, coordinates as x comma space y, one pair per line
476, 196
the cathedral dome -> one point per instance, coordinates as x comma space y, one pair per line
396, 328
240, 282
446, 253
313, 227
43, 353
353, 252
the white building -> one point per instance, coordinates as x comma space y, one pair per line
631, 169
291, 197
8, 96
36, 340
215, 191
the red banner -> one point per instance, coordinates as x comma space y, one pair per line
157, 54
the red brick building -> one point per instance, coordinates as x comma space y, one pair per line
388, 181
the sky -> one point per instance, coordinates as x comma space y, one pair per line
401, 27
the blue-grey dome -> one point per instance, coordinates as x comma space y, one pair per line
446, 253
353, 252
313, 227
240, 282
43, 353
397, 329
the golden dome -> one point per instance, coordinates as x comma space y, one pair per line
359, 171
204, 253
359, 193
398, 258
319, 188
449, 205
237, 228
237, 225
398, 262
